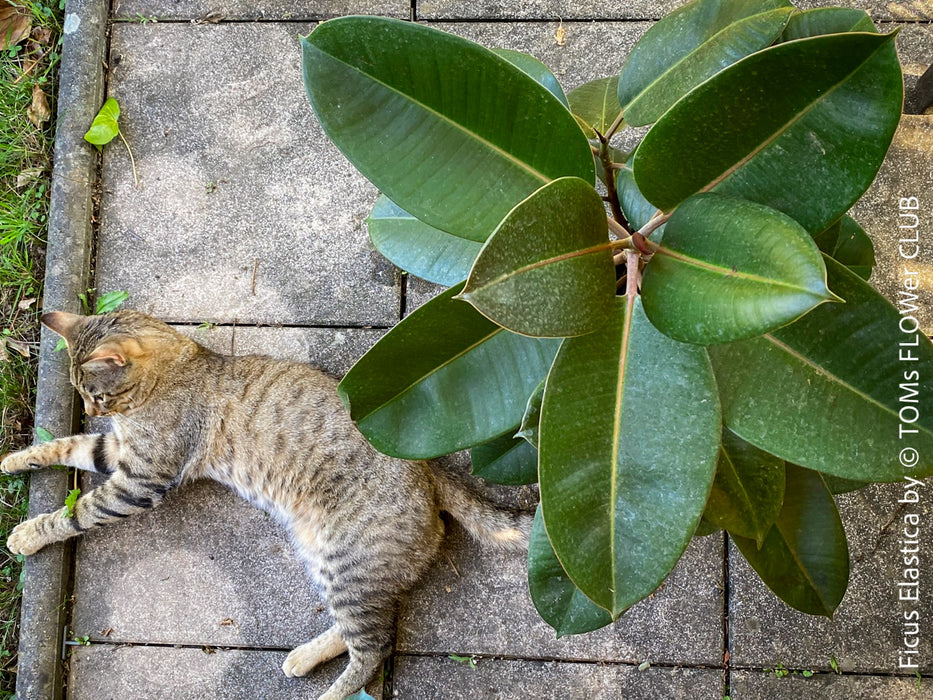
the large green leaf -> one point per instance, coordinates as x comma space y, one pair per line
730, 269
595, 103
448, 130
547, 270
534, 68
443, 379
691, 44
804, 559
628, 442
560, 603
808, 146
422, 250
748, 490
846, 242
825, 392
827, 20
506, 460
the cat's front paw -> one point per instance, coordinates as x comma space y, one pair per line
17, 462
27, 538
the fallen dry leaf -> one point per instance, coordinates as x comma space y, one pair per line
24, 304
38, 112
18, 345
27, 176
15, 24
560, 36
42, 35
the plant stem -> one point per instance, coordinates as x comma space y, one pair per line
618, 228
609, 174
656, 221
132, 159
614, 127
632, 275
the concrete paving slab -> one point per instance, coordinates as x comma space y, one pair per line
110, 672
552, 10
241, 10
203, 568
476, 601
430, 678
867, 632
206, 567
907, 172
245, 211
752, 685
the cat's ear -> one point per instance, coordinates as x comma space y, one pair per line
112, 355
62, 323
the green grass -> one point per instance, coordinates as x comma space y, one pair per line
25, 170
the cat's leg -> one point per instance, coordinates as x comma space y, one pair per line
125, 493
319, 650
89, 452
365, 615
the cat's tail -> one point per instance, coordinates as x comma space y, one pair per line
483, 519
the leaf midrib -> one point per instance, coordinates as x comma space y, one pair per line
706, 43
616, 435
803, 569
422, 378
823, 372
729, 272
787, 125
482, 140
553, 260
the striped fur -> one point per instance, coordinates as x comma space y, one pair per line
366, 525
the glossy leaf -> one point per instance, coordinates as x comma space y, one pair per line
105, 126
638, 210
807, 146
528, 430
422, 250
691, 44
827, 20
619, 510
804, 559
595, 103
560, 603
506, 460
846, 242
730, 269
443, 379
535, 69
825, 392
748, 490
448, 130
547, 270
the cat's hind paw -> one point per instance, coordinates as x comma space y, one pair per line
323, 648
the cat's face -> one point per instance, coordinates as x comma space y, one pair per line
111, 357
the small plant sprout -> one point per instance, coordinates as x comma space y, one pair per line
106, 127
104, 304
466, 660
70, 500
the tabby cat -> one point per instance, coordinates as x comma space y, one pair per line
366, 525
